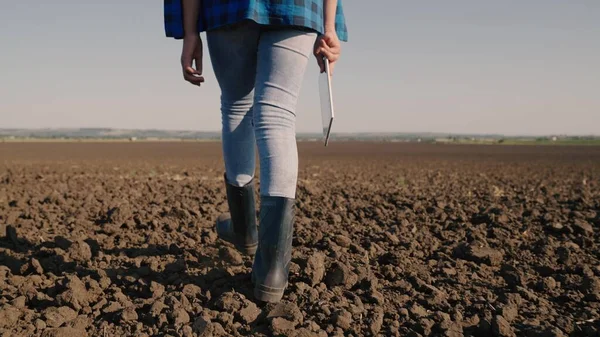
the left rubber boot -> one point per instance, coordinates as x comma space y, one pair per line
239, 225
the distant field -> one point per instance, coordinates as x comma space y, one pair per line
587, 142
516, 141
122, 135
100, 140
551, 142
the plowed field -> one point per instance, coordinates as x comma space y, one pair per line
390, 239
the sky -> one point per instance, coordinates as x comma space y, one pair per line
508, 67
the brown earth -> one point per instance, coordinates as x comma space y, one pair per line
391, 239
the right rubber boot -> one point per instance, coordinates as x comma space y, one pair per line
271, 266
239, 225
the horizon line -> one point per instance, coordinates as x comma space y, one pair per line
380, 133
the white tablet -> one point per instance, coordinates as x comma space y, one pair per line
326, 101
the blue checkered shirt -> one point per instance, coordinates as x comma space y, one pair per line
217, 13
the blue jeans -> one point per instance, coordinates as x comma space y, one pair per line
260, 71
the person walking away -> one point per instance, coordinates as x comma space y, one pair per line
259, 50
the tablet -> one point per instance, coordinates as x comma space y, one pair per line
327, 113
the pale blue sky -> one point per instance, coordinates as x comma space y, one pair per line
512, 67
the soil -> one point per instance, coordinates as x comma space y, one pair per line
391, 239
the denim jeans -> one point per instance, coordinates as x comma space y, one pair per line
260, 71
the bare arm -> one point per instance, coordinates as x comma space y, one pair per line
329, 9
328, 44
192, 44
191, 9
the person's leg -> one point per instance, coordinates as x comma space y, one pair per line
233, 52
282, 58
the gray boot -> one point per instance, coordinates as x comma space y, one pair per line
272, 260
239, 225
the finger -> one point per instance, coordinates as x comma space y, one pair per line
316, 46
323, 44
319, 54
330, 56
193, 79
321, 63
331, 67
334, 48
191, 71
326, 51
198, 60
192, 76
198, 63
331, 49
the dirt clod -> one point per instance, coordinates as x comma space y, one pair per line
64, 332
36, 266
57, 316
510, 312
191, 291
315, 268
501, 327
340, 274
75, 294
343, 319
479, 254
281, 326
376, 321
417, 311
230, 302
583, 227
250, 313
180, 316
289, 311
231, 255
9, 316
80, 251
342, 241
129, 315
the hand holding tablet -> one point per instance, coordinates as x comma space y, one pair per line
327, 113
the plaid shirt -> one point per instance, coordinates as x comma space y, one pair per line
216, 13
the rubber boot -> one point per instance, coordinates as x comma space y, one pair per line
239, 225
272, 260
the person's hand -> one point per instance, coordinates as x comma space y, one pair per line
192, 51
327, 45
